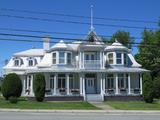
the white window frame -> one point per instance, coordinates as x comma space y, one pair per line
113, 57
33, 61
55, 57
19, 62
119, 58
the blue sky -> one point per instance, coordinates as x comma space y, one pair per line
128, 9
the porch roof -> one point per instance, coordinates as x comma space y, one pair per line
107, 70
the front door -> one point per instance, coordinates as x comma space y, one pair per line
90, 85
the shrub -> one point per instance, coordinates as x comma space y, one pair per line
39, 86
148, 89
156, 88
13, 99
11, 86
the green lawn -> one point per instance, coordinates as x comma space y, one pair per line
24, 104
134, 105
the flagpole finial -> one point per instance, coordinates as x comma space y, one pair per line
92, 28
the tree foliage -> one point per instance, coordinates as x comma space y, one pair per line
11, 86
39, 86
149, 52
123, 37
156, 88
148, 88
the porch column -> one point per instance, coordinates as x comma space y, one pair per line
31, 84
101, 83
24, 85
129, 83
103, 57
55, 83
81, 82
141, 83
116, 76
67, 75
104, 82
83, 79
101, 60
80, 60
83, 60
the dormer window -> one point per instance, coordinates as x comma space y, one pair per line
54, 58
31, 61
110, 58
17, 61
61, 57
119, 58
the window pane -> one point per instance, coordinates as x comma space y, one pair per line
61, 57
54, 58
118, 59
68, 58
110, 57
125, 59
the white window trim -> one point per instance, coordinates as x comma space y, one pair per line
65, 57
19, 62
114, 56
122, 60
33, 59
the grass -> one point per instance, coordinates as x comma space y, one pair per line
134, 105
24, 104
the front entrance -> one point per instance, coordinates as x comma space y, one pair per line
90, 84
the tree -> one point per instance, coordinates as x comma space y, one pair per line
149, 53
123, 37
11, 86
148, 93
39, 86
156, 88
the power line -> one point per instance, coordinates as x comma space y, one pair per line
40, 41
59, 38
74, 22
49, 32
78, 16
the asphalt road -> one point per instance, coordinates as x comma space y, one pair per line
75, 116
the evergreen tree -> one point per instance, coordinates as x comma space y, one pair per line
39, 85
11, 86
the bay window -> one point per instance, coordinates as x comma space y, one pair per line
54, 58
119, 58
62, 57
110, 58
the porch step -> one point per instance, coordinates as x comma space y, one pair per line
94, 98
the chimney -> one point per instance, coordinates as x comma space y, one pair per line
46, 44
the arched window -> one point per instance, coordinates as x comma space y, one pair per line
32, 61
17, 61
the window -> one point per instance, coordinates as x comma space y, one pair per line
69, 58
30, 62
61, 81
121, 81
119, 58
54, 58
61, 57
52, 81
110, 81
110, 58
17, 62
125, 59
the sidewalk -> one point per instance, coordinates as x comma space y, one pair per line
102, 105
85, 111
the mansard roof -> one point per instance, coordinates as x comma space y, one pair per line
30, 52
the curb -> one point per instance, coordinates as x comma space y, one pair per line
85, 111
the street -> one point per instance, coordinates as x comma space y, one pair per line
75, 116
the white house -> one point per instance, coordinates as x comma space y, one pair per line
86, 70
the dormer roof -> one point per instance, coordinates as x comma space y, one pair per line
116, 46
